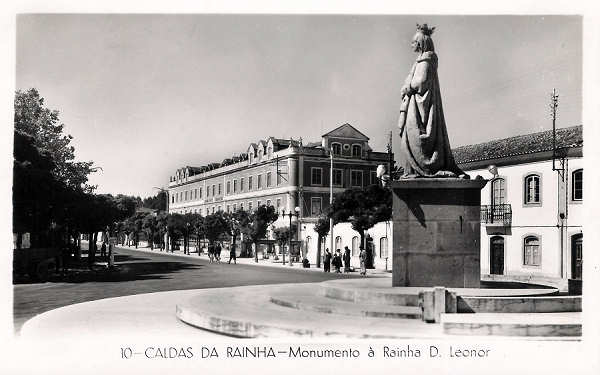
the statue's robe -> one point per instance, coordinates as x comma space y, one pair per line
424, 147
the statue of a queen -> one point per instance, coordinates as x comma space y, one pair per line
424, 148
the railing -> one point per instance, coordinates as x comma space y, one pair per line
496, 214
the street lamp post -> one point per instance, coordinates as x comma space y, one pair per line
295, 213
186, 242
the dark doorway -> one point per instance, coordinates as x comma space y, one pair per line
497, 256
576, 256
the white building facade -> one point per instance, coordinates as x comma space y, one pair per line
532, 207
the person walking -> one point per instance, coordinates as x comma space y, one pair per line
103, 250
211, 253
232, 255
218, 252
346, 259
363, 261
327, 261
337, 261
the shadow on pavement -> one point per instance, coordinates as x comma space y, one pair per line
129, 272
127, 268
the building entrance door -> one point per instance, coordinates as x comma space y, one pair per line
577, 256
497, 256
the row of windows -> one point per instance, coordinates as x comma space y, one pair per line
336, 148
316, 207
231, 187
356, 177
532, 188
232, 207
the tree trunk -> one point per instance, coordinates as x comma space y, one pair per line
319, 242
362, 239
19, 240
91, 250
255, 249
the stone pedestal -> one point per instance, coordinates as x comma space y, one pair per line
437, 232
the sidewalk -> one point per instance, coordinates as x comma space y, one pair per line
250, 261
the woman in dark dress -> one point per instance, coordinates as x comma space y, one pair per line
327, 261
346, 260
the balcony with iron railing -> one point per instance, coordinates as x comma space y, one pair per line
496, 215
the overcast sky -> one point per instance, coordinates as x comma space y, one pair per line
143, 95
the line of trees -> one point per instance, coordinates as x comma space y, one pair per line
52, 200
363, 208
211, 228
55, 204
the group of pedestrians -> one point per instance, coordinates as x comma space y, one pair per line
214, 252
338, 260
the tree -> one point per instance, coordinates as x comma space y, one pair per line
174, 228
215, 226
187, 229
259, 221
322, 229
198, 228
362, 208
236, 222
161, 223
282, 236
42, 124
126, 205
157, 202
33, 185
150, 226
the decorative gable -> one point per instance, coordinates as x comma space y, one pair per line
346, 131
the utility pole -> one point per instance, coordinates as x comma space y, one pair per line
390, 160
562, 184
553, 108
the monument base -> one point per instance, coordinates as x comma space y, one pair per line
437, 232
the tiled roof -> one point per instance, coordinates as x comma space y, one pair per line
313, 144
519, 145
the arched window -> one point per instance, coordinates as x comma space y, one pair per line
532, 189
269, 152
338, 244
498, 191
383, 247
251, 157
531, 251
336, 148
577, 185
260, 153
355, 245
356, 151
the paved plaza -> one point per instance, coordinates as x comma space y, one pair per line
144, 271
